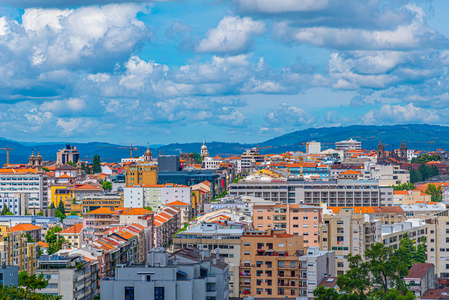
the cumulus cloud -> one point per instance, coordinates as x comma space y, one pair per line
65, 3
393, 114
285, 117
232, 35
280, 6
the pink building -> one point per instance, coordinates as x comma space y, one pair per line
296, 219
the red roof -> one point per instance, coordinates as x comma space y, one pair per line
24, 227
75, 229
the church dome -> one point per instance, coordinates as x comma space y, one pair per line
204, 147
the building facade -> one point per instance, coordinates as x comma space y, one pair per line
143, 173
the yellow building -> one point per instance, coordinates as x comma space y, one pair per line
73, 235
61, 193
16, 251
141, 173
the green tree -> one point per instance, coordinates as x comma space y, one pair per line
5, 210
407, 251
425, 158
61, 207
107, 185
85, 168
31, 283
52, 206
60, 215
356, 279
404, 187
40, 214
421, 253
54, 241
415, 175
73, 213
46, 169
96, 168
436, 193
74, 200
29, 238
197, 158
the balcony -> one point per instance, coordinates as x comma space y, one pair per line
245, 283
244, 274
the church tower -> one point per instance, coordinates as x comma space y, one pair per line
204, 151
148, 156
32, 159
403, 152
38, 163
380, 152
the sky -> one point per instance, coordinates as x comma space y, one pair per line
217, 70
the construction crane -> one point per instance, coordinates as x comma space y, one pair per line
431, 142
127, 148
7, 153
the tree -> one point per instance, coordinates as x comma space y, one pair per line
54, 241
60, 215
107, 185
85, 168
436, 193
61, 207
31, 283
407, 251
71, 163
379, 276
197, 158
425, 158
96, 168
421, 253
40, 214
52, 206
74, 200
29, 238
5, 210
73, 213
404, 187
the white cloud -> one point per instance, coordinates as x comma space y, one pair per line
285, 118
393, 114
280, 6
74, 125
233, 34
69, 106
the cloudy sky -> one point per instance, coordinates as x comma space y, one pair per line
228, 70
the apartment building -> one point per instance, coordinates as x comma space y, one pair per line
269, 264
314, 266
16, 251
92, 202
212, 162
415, 229
98, 221
410, 197
186, 211
224, 241
69, 153
347, 232
421, 278
33, 185
438, 245
348, 145
73, 235
251, 157
183, 275
309, 170
332, 193
385, 214
141, 173
423, 211
17, 203
167, 222
296, 219
69, 276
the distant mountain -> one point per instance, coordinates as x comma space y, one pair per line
416, 136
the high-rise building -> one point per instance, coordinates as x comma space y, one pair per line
437, 245
69, 153
296, 219
269, 264
33, 185
348, 145
313, 147
141, 174
348, 233
224, 241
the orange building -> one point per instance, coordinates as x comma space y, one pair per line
385, 214
296, 219
140, 174
269, 265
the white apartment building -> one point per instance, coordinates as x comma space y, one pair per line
212, 162
313, 267
157, 196
133, 196
16, 202
34, 185
209, 236
392, 234
347, 232
313, 147
348, 145
389, 175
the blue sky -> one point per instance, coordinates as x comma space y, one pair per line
224, 70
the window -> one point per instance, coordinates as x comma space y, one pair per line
295, 218
129, 293
305, 218
159, 293
295, 226
281, 245
246, 244
292, 264
280, 264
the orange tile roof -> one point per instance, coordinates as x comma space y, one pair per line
351, 172
24, 227
101, 210
136, 211
64, 176
164, 215
178, 203
369, 209
42, 244
124, 234
401, 193
160, 219
75, 229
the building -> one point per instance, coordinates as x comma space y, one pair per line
9, 275
269, 264
33, 185
96, 201
332, 193
65, 173
16, 251
420, 278
348, 145
204, 151
212, 237
251, 157
423, 211
385, 214
212, 162
71, 277
314, 266
348, 233
394, 157
156, 196
97, 221
186, 211
142, 173
410, 197
437, 242
389, 175
73, 235
17, 203
313, 147
393, 234
167, 222
309, 170
34, 231
183, 275
69, 153
296, 219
